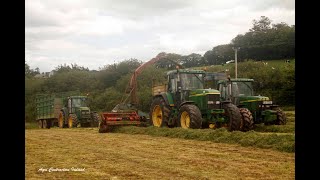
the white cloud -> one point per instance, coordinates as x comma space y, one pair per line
98, 32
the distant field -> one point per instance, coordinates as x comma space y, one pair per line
127, 156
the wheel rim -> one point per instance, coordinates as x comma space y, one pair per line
157, 116
44, 124
185, 120
60, 120
70, 122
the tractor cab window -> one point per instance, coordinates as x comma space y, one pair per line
235, 89
191, 81
172, 87
242, 89
79, 102
223, 90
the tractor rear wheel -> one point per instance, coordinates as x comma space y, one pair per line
159, 112
40, 123
73, 121
234, 116
281, 117
95, 119
190, 117
246, 120
61, 120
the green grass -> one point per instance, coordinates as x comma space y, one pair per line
125, 156
279, 142
288, 128
271, 63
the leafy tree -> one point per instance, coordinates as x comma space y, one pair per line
261, 25
30, 72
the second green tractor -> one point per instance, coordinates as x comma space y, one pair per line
184, 102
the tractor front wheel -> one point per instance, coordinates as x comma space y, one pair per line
234, 116
190, 117
159, 113
247, 120
73, 121
281, 117
95, 119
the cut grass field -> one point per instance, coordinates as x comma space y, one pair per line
127, 156
162, 153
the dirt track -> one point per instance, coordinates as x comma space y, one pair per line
123, 156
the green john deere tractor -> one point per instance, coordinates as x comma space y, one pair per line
240, 92
183, 102
75, 113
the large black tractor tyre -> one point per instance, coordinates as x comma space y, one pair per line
246, 120
61, 123
281, 117
159, 112
190, 117
234, 116
95, 119
73, 121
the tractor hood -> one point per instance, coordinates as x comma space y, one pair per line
84, 108
203, 92
252, 98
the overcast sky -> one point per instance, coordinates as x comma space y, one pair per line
94, 33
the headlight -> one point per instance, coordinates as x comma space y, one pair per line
213, 102
267, 102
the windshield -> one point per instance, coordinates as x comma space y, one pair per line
242, 89
191, 81
79, 102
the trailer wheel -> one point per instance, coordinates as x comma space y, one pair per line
246, 120
190, 117
234, 116
44, 123
73, 121
281, 117
40, 123
159, 112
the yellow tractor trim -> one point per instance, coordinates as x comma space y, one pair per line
212, 126
185, 120
157, 116
70, 123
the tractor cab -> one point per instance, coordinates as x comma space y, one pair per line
78, 105
236, 90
